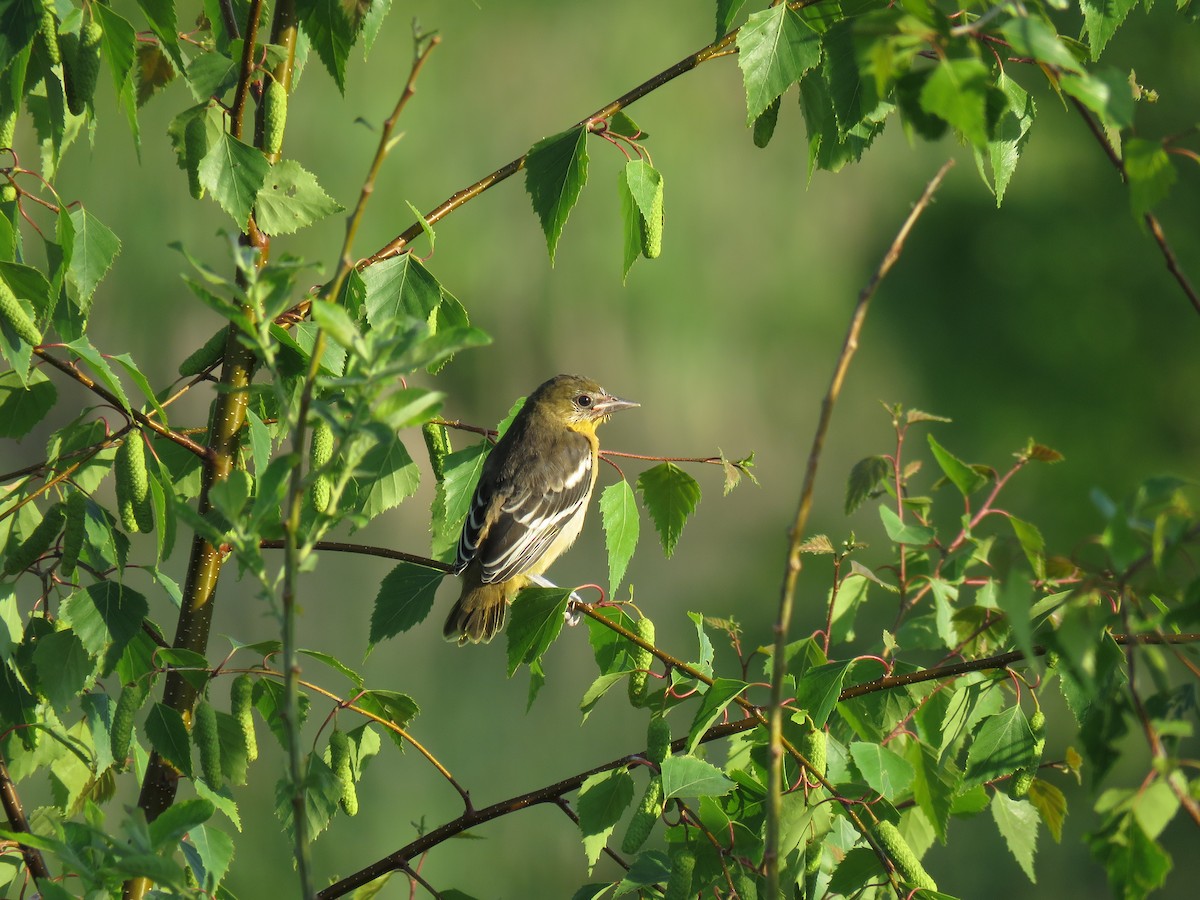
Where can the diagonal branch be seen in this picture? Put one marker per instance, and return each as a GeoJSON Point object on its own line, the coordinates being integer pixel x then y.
{"type": "Point", "coordinates": [792, 571]}
{"type": "Point", "coordinates": [17, 822]}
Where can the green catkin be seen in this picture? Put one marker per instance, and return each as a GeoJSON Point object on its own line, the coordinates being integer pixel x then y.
{"type": "Point", "coordinates": [339, 761]}
{"type": "Point", "coordinates": [37, 542]}
{"type": "Point", "coordinates": [658, 740]}
{"type": "Point", "coordinates": [644, 817]}
{"type": "Point", "coordinates": [73, 529]}
{"type": "Point", "coordinates": [902, 856]}
{"type": "Point", "coordinates": [14, 314]}
{"type": "Point", "coordinates": [195, 148]}
{"type": "Point", "coordinates": [679, 885]}
{"type": "Point", "coordinates": [1023, 778]}
{"type": "Point", "coordinates": [208, 742]}
{"type": "Point", "coordinates": [85, 67]}
{"type": "Point", "coordinates": [48, 33]}
{"type": "Point", "coordinates": [133, 484]}
{"type": "Point", "coordinates": [814, 746]}
{"type": "Point", "coordinates": [203, 357]}
{"type": "Point", "coordinates": [241, 693]}
{"type": "Point", "coordinates": [437, 442]}
{"type": "Point", "coordinates": [8, 124]}
{"type": "Point", "coordinates": [130, 701]}
{"type": "Point", "coordinates": [641, 661]}
{"type": "Point", "coordinates": [319, 454]}
{"type": "Point", "coordinates": [275, 101]}
{"type": "Point", "coordinates": [1022, 782]}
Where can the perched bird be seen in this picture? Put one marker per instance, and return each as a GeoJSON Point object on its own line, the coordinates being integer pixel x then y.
{"type": "Point", "coordinates": [530, 502]}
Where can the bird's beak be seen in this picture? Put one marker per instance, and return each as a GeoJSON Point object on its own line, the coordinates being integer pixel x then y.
{"type": "Point", "coordinates": [608, 405]}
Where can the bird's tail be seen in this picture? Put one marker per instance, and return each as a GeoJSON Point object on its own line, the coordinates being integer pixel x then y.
{"type": "Point", "coordinates": [480, 612]}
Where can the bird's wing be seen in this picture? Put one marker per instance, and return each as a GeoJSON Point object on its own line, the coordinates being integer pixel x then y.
{"type": "Point", "coordinates": [510, 525]}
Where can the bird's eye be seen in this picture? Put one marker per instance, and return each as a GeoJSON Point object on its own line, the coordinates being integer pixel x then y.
{"type": "Point", "coordinates": [584, 400]}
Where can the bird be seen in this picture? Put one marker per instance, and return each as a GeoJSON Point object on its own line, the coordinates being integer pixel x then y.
{"type": "Point", "coordinates": [530, 501]}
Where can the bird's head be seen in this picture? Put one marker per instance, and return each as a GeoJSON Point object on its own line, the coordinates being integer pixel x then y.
{"type": "Point", "coordinates": [577, 401]}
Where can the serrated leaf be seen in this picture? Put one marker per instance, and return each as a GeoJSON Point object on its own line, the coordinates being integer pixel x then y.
{"type": "Point", "coordinates": [391, 706]}
{"type": "Point", "coordinates": [727, 11]}
{"type": "Point", "coordinates": [1017, 821]}
{"type": "Point", "coordinates": [957, 92]}
{"type": "Point", "coordinates": [555, 172]}
{"type": "Point", "coordinates": [775, 48]}
{"type": "Point", "coordinates": [887, 773]}
{"type": "Point", "coordinates": [83, 349]}
{"type": "Point", "coordinates": [177, 820]}
{"type": "Point", "coordinates": [1032, 543]}
{"type": "Point", "coordinates": [817, 544]}
{"type": "Point", "coordinates": [390, 477]}
{"type": "Point", "coordinates": [962, 476]}
{"type": "Point", "coordinates": [321, 791]}
{"type": "Point", "coordinates": [329, 28]}
{"type": "Point", "coordinates": [452, 499]}
{"type": "Point", "coordinates": [603, 799]}
{"type": "Point", "coordinates": [934, 785]}
{"type": "Point", "coordinates": [105, 617]}
{"type": "Point", "coordinates": [865, 478]}
{"type": "Point", "coordinates": [334, 663]}
{"type": "Point", "coordinates": [1030, 36]}
{"type": "Point", "coordinates": [1051, 804]}
{"type": "Point", "coordinates": [1150, 172]}
{"type": "Point", "coordinates": [686, 776]}
{"type": "Point", "coordinates": [169, 736]}
{"type": "Point", "coordinates": [208, 851]}
{"type": "Point", "coordinates": [818, 689]}
{"type": "Point", "coordinates": [22, 406]}
{"type": "Point", "coordinates": [1009, 134]}
{"type": "Point", "coordinates": [399, 287]}
{"type": "Point", "coordinates": [902, 532]}
{"type": "Point", "coordinates": [64, 668]}
{"type": "Point", "coordinates": [716, 699]}
{"type": "Point", "coordinates": [404, 599]}
{"type": "Point", "coordinates": [619, 515]}
{"type": "Point", "coordinates": [632, 227]}
{"type": "Point", "coordinates": [536, 619]}
{"type": "Point", "coordinates": [234, 173]}
{"type": "Point", "coordinates": [94, 250]}
{"type": "Point", "coordinates": [1102, 18]}
{"type": "Point", "coordinates": [620, 123]}
{"type": "Point", "coordinates": [1042, 453]}
{"type": "Point", "coordinates": [1003, 745]}
{"type": "Point", "coordinates": [1106, 92]}
{"type": "Point", "coordinates": [670, 496]}
{"type": "Point", "coordinates": [291, 199]}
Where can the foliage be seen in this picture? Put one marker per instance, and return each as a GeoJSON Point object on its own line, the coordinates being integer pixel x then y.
{"type": "Point", "coordinates": [887, 738]}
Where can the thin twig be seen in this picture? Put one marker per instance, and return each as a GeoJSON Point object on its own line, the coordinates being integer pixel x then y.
{"type": "Point", "coordinates": [238, 111]}
{"type": "Point", "coordinates": [367, 550]}
{"type": "Point", "coordinates": [689, 62]}
{"type": "Point", "coordinates": [792, 570]}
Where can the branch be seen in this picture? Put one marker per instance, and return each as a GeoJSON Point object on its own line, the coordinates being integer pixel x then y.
{"type": "Point", "coordinates": [689, 62]}
{"type": "Point", "coordinates": [237, 112]}
{"type": "Point", "coordinates": [1156, 229]}
{"type": "Point", "coordinates": [17, 822]}
{"type": "Point", "coordinates": [368, 550]}
{"type": "Point", "coordinates": [792, 570]}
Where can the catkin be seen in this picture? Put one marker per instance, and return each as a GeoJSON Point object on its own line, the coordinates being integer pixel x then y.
{"type": "Point", "coordinates": [81, 66]}
{"type": "Point", "coordinates": [14, 314]}
{"type": "Point", "coordinates": [130, 701]}
{"type": "Point", "coordinates": [37, 542]}
{"type": "Point", "coordinates": [658, 740]}
{"type": "Point", "coordinates": [339, 761]}
{"type": "Point", "coordinates": [437, 442]}
{"type": "Point", "coordinates": [641, 661]}
{"type": "Point", "coordinates": [902, 856]}
{"type": "Point", "coordinates": [275, 101]}
{"type": "Point", "coordinates": [208, 741]}
{"type": "Point", "coordinates": [203, 357]}
{"type": "Point", "coordinates": [644, 817]}
{"type": "Point", "coordinates": [133, 484]}
{"type": "Point", "coordinates": [241, 693]}
{"type": "Point", "coordinates": [73, 530]}
{"type": "Point", "coordinates": [679, 885]}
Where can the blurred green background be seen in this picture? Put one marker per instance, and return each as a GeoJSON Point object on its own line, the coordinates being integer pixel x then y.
{"type": "Point", "coordinates": [1053, 317]}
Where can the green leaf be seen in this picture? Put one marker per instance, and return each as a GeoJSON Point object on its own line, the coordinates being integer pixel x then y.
{"type": "Point", "coordinates": [1150, 172]}
{"type": "Point", "coordinates": [670, 495]}
{"type": "Point", "coordinates": [18, 25]}
{"type": "Point", "coordinates": [603, 798]}
{"type": "Point", "coordinates": [887, 773]}
{"type": "Point", "coordinates": [83, 349]}
{"type": "Point", "coordinates": [452, 499]}
{"type": "Point", "coordinates": [716, 699]}
{"type": "Point", "coordinates": [1135, 864]}
{"type": "Point", "coordinates": [865, 478]}
{"type": "Point", "coordinates": [1032, 543]}
{"type": "Point", "coordinates": [1003, 745]}
{"type": "Point", "coordinates": [398, 287]}
{"type": "Point", "coordinates": [391, 706]}
{"type": "Point", "coordinates": [619, 515]}
{"type": "Point", "coordinates": [336, 664]}
{"type": "Point", "coordinates": [966, 479]}
{"type": "Point", "coordinates": [537, 618]}
{"type": "Point", "coordinates": [211, 75]}
{"type": "Point", "coordinates": [934, 785]}
{"type": "Point", "coordinates": [1051, 804]}
{"type": "Point", "coordinates": [234, 173]}
{"type": "Point", "coordinates": [64, 668]}
{"type": "Point", "coordinates": [1031, 36]}
{"type": "Point", "coordinates": [1106, 92]}
{"type": "Point", "coordinates": [321, 791]}
{"type": "Point", "coordinates": [177, 820]}
{"type": "Point", "coordinates": [291, 199]}
{"type": "Point", "coordinates": [105, 617]}
{"type": "Point", "coordinates": [94, 250]}
{"type": "Point", "coordinates": [646, 186]}
{"type": "Point", "coordinates": [329, 28]}
{"type": "Point", "coordinates": [22, 406]}
{"type": "Point", "coordinates": [858, 867]}
{"type": "Point", "coordinates": [120, 50]}
{"type": "Point", "coordinates": [208, 851]}
{"type": "Point", "coordinates": [1015, 598]}
{"type": "Point", "coordinates": [686, 776]}
{"type": "Point", "coordinates": [818, 689]}
{"type": "Point", "coordinates": [775, 48]}
{"type": "Point", "coordinates": [1101, 19]}
{"type": "Point", "coordinates": [632, 227]}
{"type": "Point", "coordinates": [405, 598]}
{"type": "Point", "coordinates": [555, 172]}
{"type": "Point", "coordinates": [1009, 134]}
{"type": "Point", "coordinates": [727, 11]}
{"type": "Point", "coordinates": [169, 736]}
{"type": "Point", "coordinates": [957, 92]}
{"type": "Point", "coordinates": [901, 532]}
{"type": "Point", "coordinates": [1018, 824]}
{"type": "Point", "coordinates": [390, 477]}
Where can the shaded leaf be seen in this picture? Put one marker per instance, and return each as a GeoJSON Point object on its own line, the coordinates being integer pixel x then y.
{"type": "Point", "coordinates": [619, 514]}
{"type": "Point", "coordinates": [670, 495]}
{"type": "Point", "coordinates": [775, 48]}
{"type": "Point", "coordinates": [536, 620]}
{"type": "Point", "coordinates": [404, 599]}
{"type": "Point", "coordinates": [555, 172]}
{"type": "Point", "coordinates": [686, 776]}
